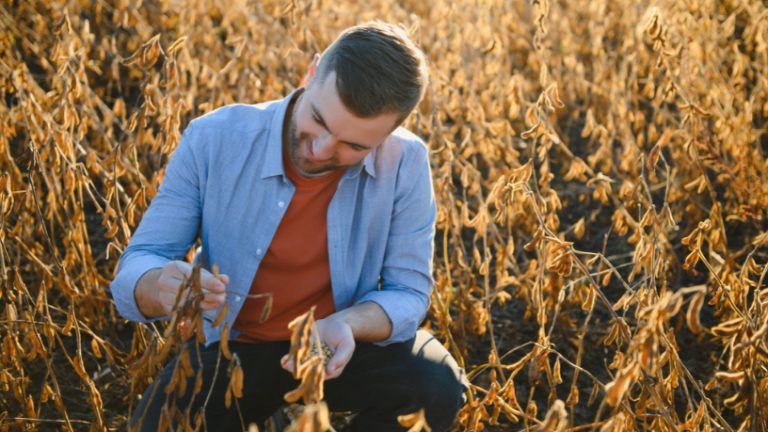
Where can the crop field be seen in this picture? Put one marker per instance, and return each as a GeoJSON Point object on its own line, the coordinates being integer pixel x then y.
{"type": "Point", "coordinates": [600, 168]}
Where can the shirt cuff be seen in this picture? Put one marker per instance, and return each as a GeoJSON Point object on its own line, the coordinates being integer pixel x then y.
{"type": "Point", "coordinates": [405, 312]}
{"type": "Point", "coordinates": [123, 286]}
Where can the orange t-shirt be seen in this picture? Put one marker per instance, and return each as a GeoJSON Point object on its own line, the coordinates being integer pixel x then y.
{"type": "Point", "coordinates": [295, 268]}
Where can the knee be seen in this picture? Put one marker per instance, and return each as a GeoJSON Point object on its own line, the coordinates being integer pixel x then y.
{"type": "Point", "coordinates": [442, 392]}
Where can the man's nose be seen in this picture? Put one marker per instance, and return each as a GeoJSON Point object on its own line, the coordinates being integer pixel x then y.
{"type": "Point", "coordinates": [323, 146]}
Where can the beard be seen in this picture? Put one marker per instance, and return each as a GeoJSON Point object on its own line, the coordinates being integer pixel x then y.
{"type": "Point", "coordinates": [304, 166]}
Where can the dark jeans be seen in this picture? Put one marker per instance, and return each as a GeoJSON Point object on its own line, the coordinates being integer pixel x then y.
{"type": "Point", "coordinates": [378, 384]}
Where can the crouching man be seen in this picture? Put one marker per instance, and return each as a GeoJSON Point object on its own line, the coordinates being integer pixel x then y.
{"type": "Point", "coordinates": [319, 199]}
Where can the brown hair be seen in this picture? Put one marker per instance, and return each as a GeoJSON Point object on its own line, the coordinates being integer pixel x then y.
{"type": "Point", "coordinates": [379, 69]}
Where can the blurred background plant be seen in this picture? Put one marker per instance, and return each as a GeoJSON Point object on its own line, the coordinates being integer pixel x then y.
{"type": "Point", "coordinates": [602, 244]}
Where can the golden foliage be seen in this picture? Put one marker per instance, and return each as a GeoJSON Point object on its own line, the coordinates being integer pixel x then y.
{"type": "Point", "coordinates": [599, 169]}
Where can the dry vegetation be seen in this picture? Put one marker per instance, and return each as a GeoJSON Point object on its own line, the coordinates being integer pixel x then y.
{"type": "Point", "coordinates": [600, 168]}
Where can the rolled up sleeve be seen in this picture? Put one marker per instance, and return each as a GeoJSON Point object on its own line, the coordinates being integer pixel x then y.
{"type": "Point", "coordinates": [406, 276]}
{"type": "Point", "coordinates": [168, 228]}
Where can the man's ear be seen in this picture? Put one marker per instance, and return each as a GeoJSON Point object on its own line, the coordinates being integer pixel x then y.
{"type": "Point", "coordinates": [311, 70]}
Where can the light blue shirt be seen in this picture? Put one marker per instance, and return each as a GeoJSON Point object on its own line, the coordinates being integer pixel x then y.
{"type": "Point", "coordinates": [226, 184]}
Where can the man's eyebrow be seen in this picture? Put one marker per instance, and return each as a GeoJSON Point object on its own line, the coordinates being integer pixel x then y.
{"type": "Point", "coordinates": [321, 120]}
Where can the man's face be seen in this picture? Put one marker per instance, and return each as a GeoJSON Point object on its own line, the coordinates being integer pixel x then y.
{"type": "Point", "coordinates": [324, 135]}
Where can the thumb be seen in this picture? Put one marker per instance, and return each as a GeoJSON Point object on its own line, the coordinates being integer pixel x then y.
{"type": "Point", "coordinates": [287, 363]}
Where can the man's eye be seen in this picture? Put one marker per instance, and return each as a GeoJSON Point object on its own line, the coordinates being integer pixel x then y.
{"type": "Point", "coordinates": [357, 147]}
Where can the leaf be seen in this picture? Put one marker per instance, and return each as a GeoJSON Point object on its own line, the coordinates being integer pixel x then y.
{"type": "Point", "coordinates": [177, 44]}
{"type": "Point", "coordinates": [224, 343]}
{"type": "Point", "coordinates": [415, 422]}
{"type": "Point", "coordinates": [693, 312]}
{"type": "Point", "coordinates": [236, 381]}
{"type": "Point", "coordinates": [95, 348]}
{"type": "Point", "coordinates": [616, 389]}
{"type": "Point", "coordinates": [556, 372]}
{"type": "Point", "coordinates": [266, 310]}
{"type": "Point", "coordinates": [221, 315]}
{"type": "Point", "coordinates": [589, 124]}
{"type": "Point", "coordinates": [555, 419]}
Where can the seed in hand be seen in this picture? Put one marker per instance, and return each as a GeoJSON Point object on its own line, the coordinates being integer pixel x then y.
{"type": "Point", "coordinates": [323, 350]}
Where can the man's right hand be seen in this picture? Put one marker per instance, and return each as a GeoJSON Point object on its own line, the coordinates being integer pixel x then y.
{"type": "Point", "coordinates": [158, 288]}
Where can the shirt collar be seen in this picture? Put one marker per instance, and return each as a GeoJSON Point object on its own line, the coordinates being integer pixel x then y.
{"type": "Point", "coordinates": [273, 162]}
{"type": "Point", "coordinates": [369, 163]}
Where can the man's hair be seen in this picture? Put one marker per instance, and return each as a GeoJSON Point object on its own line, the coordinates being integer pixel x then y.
{"type": "Point", "coordinates": [379, 70]}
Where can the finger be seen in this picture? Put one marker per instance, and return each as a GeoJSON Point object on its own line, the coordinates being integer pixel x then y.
{"type": "Point", "coordinates": [211, 283]}
{"type": "Point", "coordinates": [287, 363]}
{"type": "Point", "coordinates": [213, 300]}
{"type": "Point", "coordinates": [340, 358]}
{"type": "Point", "coordinates": [170, 295]}
{"type": "Point", "coordinates": [180, 269]}
{"type": "Point", "coordinates": [333, 373]}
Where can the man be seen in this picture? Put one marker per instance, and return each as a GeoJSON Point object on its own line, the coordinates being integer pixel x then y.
{"type": "Point", "coordinates": [320, 200]}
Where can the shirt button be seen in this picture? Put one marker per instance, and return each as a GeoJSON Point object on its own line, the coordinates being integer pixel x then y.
{"type": "Point", "coordinates": [281, 204]}
{"type": "Point", "coordinates": [237, 298]}
{"type": "Point", "coordinates": [258, 251]}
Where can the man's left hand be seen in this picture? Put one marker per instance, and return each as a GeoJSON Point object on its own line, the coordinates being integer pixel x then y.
{"type": "Point", "coordinates": [337, 334]}
{"type": "Point", "coordinates": [365, 322]}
